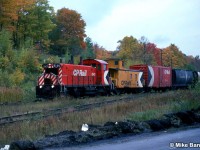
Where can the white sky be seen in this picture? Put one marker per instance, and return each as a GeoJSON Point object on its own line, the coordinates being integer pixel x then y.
{"type": "Point", "coordinates": [161, 21]}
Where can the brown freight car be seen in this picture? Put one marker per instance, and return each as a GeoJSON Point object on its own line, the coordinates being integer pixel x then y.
{"type": "Point", "coordinates": [156, 77]}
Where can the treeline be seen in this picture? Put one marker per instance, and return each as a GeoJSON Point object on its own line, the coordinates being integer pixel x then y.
{"type": "Point", "coordinates": [142, 51]}
{"type": "Point", "coordinates": [32, 33]}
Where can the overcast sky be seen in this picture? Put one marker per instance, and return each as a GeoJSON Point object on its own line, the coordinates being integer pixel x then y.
{"type": "Point", "coordinates": [161, 21]}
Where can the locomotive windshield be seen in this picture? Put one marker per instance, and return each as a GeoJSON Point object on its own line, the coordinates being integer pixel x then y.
{"type": "Point", "coordinates": [52, 70]}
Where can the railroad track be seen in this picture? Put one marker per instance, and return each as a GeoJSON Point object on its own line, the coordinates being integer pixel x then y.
{"type": "Point", "coordinates": [58, 111]}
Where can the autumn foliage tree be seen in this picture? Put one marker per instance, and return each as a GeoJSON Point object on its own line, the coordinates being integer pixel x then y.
{"type": "Point", "coordinates": [130, 50]}
{"type": "Point", "coordinates": [69, 35]}
{"type": "Point", "coordinates": [101, 52]}
{"type": "Point", "coordinates": [35, 23]}
{"type": "Point", "coordinates": [193, 63]}
{"type": "Point", "coordinates": [154, 53]}
{"type": "Point", "coordinates": [172, 56]}
{"type": "Point", "coordinates": [27, 20]}
{"type": "Point", "coordinates": [9, 12]}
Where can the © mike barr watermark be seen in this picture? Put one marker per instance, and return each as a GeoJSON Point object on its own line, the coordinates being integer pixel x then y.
{"type": "Point", "coordinates": [184, 145]}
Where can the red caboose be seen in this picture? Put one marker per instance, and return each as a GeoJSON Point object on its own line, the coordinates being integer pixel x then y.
{"type": "Point", "coordinates": [89, 78]}
{"type": "Point", "coordinates": [155, 77]}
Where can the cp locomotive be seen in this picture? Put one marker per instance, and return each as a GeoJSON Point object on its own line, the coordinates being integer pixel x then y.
{"type": "Point", "coordinates": [94, 76]}
{"type": "Point", "coordinates": [89, 78]}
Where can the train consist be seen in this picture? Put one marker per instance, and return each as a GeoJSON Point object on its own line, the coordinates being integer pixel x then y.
{"type": "Point", "coordinates": [94, 76]}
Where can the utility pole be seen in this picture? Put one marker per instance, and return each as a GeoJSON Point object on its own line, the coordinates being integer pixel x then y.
{"type": "Point", "coordinates": [161, 61]}
{"type": "Point", "coordinates": [144, 53]}
{"type": "Point", "coordinates": [171, 62]}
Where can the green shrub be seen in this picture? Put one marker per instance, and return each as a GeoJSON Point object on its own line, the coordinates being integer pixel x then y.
{"type": "Point", "coordinates": [10, 94]}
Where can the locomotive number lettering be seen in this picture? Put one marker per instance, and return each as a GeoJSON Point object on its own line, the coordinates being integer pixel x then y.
{"type": "Point", "coordinates": [93, 74]}
{"type": "Point", "coordinates": [166, 71]}
{"type": "Point", "coordinates": [126, 83]}
{"type": "Point", "coordinates": [77, 72]}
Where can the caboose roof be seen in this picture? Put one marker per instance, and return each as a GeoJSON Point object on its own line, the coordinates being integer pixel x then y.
{"type": "Point", "coordinates": [101, 61]}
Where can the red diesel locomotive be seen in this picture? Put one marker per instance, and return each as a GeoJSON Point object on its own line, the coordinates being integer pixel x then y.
{"type": "Point", "coordinates": [89, 78]}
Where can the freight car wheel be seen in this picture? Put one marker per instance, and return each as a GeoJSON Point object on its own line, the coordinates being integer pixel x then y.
{"type": "Point", "coordinates": [116, 92]}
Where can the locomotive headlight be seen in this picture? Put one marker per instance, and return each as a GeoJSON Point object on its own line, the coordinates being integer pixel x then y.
{"type": "Point", "coordinates": [52, 86]}
{"type": "Point", "coordinates": [40, 86]}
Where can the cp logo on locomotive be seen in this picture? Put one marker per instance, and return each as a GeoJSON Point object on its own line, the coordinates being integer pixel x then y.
{"type": "Point", "coordinates": [77, 72]}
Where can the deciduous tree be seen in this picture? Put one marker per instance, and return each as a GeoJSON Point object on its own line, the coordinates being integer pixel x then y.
{"type": "Point", "coordinates": [172, 56]}
{"type": "Point", "coordinates": [130, 50]}
{"type": "Point", "coordinates": [69, 35]}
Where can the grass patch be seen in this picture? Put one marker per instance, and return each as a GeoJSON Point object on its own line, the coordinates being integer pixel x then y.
{"type": "Point", "coordinates": [144, 108]}
{"type": "Point", "coordinates": [10, 95]}
{"type": "Point", "coordinates": [8, 110]}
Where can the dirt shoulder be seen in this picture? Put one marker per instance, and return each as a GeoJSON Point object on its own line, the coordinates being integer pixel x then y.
{"type": "Point", "coordinates": [112, 129]}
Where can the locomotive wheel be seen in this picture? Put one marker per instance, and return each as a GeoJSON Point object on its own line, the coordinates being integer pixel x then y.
{"type": "Point", "coordinates": [76, 93]}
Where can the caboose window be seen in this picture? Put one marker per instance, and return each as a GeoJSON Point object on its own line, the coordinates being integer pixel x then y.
{"type": "Point", "coordinates": [111, 73]}
{"type": "Point", "coordinates": [123, 63]}
{"type": "Point", "coordinates": [135, 76]}
{"type": "Point", "coordinates": [116, 62]}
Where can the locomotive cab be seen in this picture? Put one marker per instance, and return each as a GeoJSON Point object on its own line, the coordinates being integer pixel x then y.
{"type": "Point", "coordinates": [101, 70]}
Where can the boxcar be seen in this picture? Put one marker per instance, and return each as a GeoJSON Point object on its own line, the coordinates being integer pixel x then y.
{"type": "Point", "coordinates": [155, 77]}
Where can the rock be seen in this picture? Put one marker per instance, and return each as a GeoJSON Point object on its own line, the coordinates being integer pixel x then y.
{"type": "Point", "coordinates": [109, 124]}
{"type": "Point", "coordinates": [84, 138]}
{"type": "Point", "coordinates": [185, 117]}
{"type": "Point", "coordinates": [174, 120]}
{"type": "Point", "coordinates": [166, 123]}
{"type": "Point", "coordinates": [22, 145]}
{"type": "Point", "coordinates": [61, 133]}
{"type": "Point", "coordinates": [125, 127]}
{"type": "Point", "coordinates": [97, 134]}
{"type": "Point", "coordinates": [143, 127]}
{"type": "Point", "coordinates": [155, 125]}
{"type": "Point", "coordinates": [197, 117]}
{"type": "Point", "coordinates": [92, 126]}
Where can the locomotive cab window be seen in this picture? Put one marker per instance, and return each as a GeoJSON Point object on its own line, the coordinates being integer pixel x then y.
{"type": "Point", "coordinates": [104, 67]}
{"type": "Point", "coordinates": [52, 70]}
{"type": "Point", "coordinates": [94, 65]}
{"type": "Point", "coordinates": [116, 62]}
{"type": "Point", "coordinates": [99, 67]}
